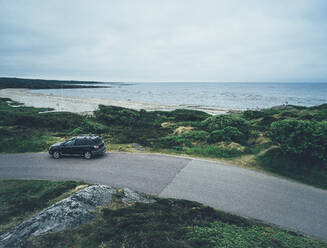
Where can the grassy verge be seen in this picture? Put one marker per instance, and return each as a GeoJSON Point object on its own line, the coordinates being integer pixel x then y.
{"type": "Point", "coordinates": [165, 223]}
{"type": "Point", "coordinates": [242, 139]}
{"type": "Point", "coordinates": [19, 199]}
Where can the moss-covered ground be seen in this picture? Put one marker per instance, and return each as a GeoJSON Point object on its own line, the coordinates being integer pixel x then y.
{"type": "Point", "coordinates": [20, 199]}
{"type": "Point", "coordinates": [164, 223]}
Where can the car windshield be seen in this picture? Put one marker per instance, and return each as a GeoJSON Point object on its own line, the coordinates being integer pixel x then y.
{"type": "Point", "coordinates": [70, 143]}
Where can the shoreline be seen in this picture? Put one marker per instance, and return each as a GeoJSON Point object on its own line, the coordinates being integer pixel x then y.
{"type": "Point", "coordinates": [84, 105]}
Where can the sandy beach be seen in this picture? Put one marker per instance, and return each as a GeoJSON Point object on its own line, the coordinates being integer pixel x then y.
{"type": "Point", "coordinates": [84, 105]}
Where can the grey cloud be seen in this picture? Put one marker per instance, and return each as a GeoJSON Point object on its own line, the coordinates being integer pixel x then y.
{"type": "Point", "coordinates": [171, 40]}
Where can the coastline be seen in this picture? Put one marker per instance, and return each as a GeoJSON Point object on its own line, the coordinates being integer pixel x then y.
{"type": "Point", "coordinates": [84, 105]}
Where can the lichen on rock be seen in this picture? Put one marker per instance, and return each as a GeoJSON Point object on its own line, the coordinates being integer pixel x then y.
{"type": "Point", "coordinates": [70, 212]}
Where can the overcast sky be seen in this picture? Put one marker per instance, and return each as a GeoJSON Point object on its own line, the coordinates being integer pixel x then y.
{"type": "Point", "coordinates": [165, 40]}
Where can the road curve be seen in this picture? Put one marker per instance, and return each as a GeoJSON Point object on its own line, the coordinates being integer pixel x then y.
{"type": "Point", "coordinates": [244, 192]}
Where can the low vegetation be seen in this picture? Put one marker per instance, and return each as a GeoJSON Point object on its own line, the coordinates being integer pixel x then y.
{"type": "Point", "coordinates": [6, 82]}
{"type": "Point", "coordinates": [19, 199]}
{"type": "Point", "coordinates": [164, 223]}
{"type": "Point", "coordinates": [289, 141]}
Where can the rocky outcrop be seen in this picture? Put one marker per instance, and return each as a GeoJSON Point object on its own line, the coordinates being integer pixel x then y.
{"type": "Point", "coordinates": [68, 213]}
{"type": "Point", "coordinates": [130, 196]}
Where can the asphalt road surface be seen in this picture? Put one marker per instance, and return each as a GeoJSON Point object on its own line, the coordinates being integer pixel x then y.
{"type": "Point", "coordinates": [291, 205]}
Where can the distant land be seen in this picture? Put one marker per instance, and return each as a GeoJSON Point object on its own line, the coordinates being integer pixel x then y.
{"type": "Point", "coordinates": [8, 82]}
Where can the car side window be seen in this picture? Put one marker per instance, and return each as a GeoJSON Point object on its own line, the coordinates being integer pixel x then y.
{"type": "Point", "coordinates": [70, 143]}
{"type": "Point", "coordinates": [81, 142]}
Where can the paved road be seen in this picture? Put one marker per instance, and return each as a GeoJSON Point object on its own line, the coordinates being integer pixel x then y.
{"type": "Point", "coordinates": [244, 192]}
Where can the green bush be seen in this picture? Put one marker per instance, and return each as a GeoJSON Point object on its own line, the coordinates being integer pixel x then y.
{"type": "Point", "coordinates": [267, 120]}
{"type": "Point", "coordinates": [226, 134]}
{"type": "Point", "coordinates": [219, 122]}
{"type": "Point", "coordinates": [198, 135]}
{"type": "Point", "coordinates": [19, 198]}
{"type": "Point", "coordinates": [252, 114]}
{"type": "Point", "coordinates": [173, 141]}
{"type": "Point", "coordinates": [305, 139]}
{"type": "Point", "coordinates": [51, 121]}
{"type": "Point", "coordinates": [89, 126]}
{"type": "Point", "coordinates": [321, 115]}
{"type": "Point", "coordinates": [188, 115]}
{"type": "Point", "coordinates": [286, 114]}
{"type": "Point", "coordinates": [20, 139]}
{"type": "Point", "coordinates": [213, 151]}
{"type": "Point", "coordinates": [219, 234]}
{"type": "Point", "coordinates": [112, 115]}
{"type": "Point", "coordinates": [254, 134]}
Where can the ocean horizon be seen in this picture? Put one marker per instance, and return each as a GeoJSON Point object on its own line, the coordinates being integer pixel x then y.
{"type": "Point", "coordinates": [237, 96]}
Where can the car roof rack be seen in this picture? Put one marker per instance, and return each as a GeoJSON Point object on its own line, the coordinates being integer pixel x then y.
{"type": "Point", "coordinates": [87, 135]}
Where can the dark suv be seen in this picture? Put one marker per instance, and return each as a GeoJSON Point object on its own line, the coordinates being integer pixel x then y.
{"type": "Point", "coordinates": [83, 145]}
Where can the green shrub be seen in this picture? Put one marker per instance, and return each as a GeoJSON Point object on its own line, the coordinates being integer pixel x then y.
{"type": "Point", "coordinates": [188, 115]}
{"type": "Point", "coordinates": [51, 121]}
{"type": "Point", "coordinates": [173, 141]}
{"type": "Point", "coordinates": [196, 124]}
{"type": "Point", "coordinates": [213, 151]}
{"type": "Point", "coordinates": [112, 115]}
{"type": "Point", "coordinates": [219, 234]}
{"type": "Point", "coordinates": [305, 139]}
{"type": "Point", "coordinates": [267, 120]}
{"type": "Point", "coordinates": [226, 134]}
{"type": "Point", "coordinates": [321, 115]}
{"type": "Point", "coordinates": [252, 114]}
{"type": "Point", "coordinates": [89, 126]}
{"type": "Point", "coordinates": [288, 114]}
{"type": "Point", "coordinates": [198, 135]}
{"type": "Point", "coordinates": [254, 134]}
{"type": "Point", "coordinates": [219, 122]}
{"type": "Point", "coordinates": [20, 139]}
{"type": "Point", "coordinates": [77, 131]}
{"type": "Point", "coordinates": [18, 197]}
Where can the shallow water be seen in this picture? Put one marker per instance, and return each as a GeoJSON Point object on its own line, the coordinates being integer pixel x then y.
{"type": "Point", "coordinates": [220, 95]}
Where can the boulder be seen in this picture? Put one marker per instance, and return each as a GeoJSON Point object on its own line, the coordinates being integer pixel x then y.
{"type": "Point", "coordinates": [70, 212]}
{"type": "Point", "coordinates": [131, 196]}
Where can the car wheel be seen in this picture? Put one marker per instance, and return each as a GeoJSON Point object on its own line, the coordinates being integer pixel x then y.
{"type": "Point", "coordinates": [56, 155]}
{"type": "Point", "coordinates": [87, 155]}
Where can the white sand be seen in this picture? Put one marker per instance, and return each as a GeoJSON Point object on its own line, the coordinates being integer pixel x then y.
{"type": "Point", "coordinates": [84, 105]}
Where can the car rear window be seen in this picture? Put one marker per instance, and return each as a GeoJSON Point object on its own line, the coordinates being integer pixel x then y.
{"type": "Point", "coordinates": [97, 141]}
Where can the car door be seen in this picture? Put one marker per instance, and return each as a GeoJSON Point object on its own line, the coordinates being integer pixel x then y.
{"type": "Point", "coordinates": [79, 146]}
{"type": "Point", "coordinates": [68, 147]}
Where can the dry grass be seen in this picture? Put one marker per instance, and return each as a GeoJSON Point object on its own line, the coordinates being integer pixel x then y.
{"type": "Point", "coordinates": [167, 124]}
{"type": "Point", "coordinates": [231, 145]}
{"type": "Point", "coordinates": [182, 129]}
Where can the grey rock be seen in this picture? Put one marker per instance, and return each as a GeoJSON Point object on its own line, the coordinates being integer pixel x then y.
{"type": "Point", "coordinates": [131, 196]}
{"type": "Point", "coordinates": [67, 213]}
{"type": "Point", "coordinates": [70, 212]}
{"type": "Point", "coordinates": [138, 147]}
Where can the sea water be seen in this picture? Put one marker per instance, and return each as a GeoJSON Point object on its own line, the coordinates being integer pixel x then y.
{"type": "Point", "coordinates": [238, 96]}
